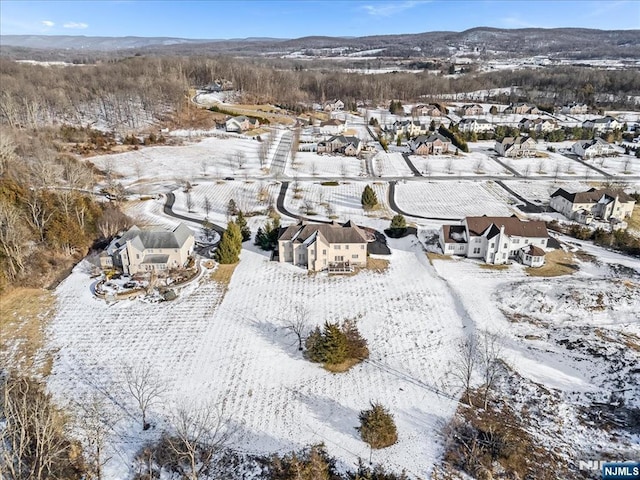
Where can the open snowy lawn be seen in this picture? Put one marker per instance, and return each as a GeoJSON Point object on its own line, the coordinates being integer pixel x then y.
{"type": "Point", "coordinates": [215, 157]}
{"type": "Point", "coordinates": [551, 164]}
{"type": "Point", "coordinates": [252, 196]}
{"type": "Point", "coordinates": [390, 165]}
{"type": "Point", "coordinates": [237, 354]}
{"type": "Point", "coordinates": [620, 166]}
{"type": "Point", "coordinates": [570, 334]}
{"type": "Point", "coordinates": [309, 164]}
{"type": "Point", "coordinates": [341, 202]}
{"type": "Point", "coordinates": [474, 163]}
{"type": "Point", "coordinates": [449, 199]}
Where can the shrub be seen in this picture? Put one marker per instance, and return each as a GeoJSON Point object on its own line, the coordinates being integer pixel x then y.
{"type": "Point", "coordinates": [377, 427]}
{"type": "Point", "coordinates": [369, 198]}
{"type": "Point", "coordinates": [398, 226]}
{"type": "Point", "coordinates": [336, 344]}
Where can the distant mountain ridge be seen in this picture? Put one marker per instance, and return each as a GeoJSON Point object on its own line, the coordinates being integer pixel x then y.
{"type": "Point", "coordinates": [570, 42]}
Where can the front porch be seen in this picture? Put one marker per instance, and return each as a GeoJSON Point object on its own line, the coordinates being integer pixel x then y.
{"type": "Point", "coordinates": [340, 267]}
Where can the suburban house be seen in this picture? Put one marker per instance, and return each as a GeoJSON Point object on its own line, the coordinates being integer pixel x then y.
{"type": "Point", "coordinates": [516, 147]}
{"type": "Point", "coordinates": [593, 148]}
{"type": "Point", "coordinates": [334, 247]}
{"type": "Point", "coordinates": [522, 109]}
{"type": "Point", "coordinates": [574, 109]}
{"type": "Point", "coordinates": [467, 110]}
{"type": "Point", "coordinates": [603, 124]}
{"type": "Point", "coordinates": [241, 124]}
{"type": "Point", "coordinates": [434, 144]}
{"type": "Point", "coordinates": [332, 127]}
{"type": "Point", "coordinates": [431, 110]}
{"type": "Point", "coordinates": [494, 239]}
{"type": "Point", "coordinates": [410, 128]}
{"type": "Point", "coordinates": [582, 207]}
{"type": "Point", "coordinates": [349, 146]}
{"type": "Point", "coordinates": [539, 125]}
{"type": "Point", "coordinates": [333, 106]}
{"type": "Point", "coordinates": [149, 250]}
{"type": "Point", "coordinates": [476, 125]}
{"type": "Point", "coordinates": [531, 256]}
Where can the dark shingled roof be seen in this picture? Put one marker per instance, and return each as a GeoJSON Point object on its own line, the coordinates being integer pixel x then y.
{"type": "Point", "coordinates": [513, 226]}
{"type": "Point", "coordinates": [333, 233]}
{"type": "Point", "coordinates": [592, 195]}
{"type": "Point", "coordinates": [453, 233]}
{"type": "Point", "coordinates": [534, 251]}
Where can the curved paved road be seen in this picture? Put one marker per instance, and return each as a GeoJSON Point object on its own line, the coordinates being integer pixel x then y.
{"type": "Point", "coordinates": [168, 210]}
{"type": "Point", "coordinates": [394, 206]}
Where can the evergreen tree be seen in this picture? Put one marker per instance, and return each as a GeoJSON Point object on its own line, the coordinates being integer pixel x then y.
{"type": "Point", "coordinates": [314, 346]}
{"type": "Point", "coordinates": [398, 226]}
{"type": "Point", "coordinates": [432, 126]}
{"type": "Point", "coordinates": [232, 208]}
{"type": "Point", "coordinates": [369, 199]}
{"type": "Point", "coordinates": [242, 224]}
{"type": "Point", "coordinates": [377, 427]}
{"type": "Point", "coordinates": [228, 250]}
{"type": "Point", "coordinates": [334, 344]}
{"type": "Point", "coordinates": [356, 344]}
{"type": "Point", "coordinates": [493, 110]}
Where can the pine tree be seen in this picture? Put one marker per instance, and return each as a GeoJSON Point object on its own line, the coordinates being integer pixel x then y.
{"type": "Point", "coordinates": [335, 344]}
{"type": "Point", "coordinates": [377, 427]}
{"type": "Point", "coordinates": [356, 344]}
{"type": "Point", "coordinates": [369, 199]}
{"type": "Point", "coordinates": [314, 346]}
{"type": "Point", "coordinates": [242, 224]}
{"type": "Point", "coordinates": [232, 208]}
{"type": "Point", "coordinates": [259, 239]}
{"type": "Point", "coordinates": [228, 250]}
{"type": "Point", "coordinates": [398, 226]}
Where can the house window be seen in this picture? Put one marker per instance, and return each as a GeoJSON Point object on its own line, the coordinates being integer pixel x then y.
{"type": "Point", "coordinates": [324, 251]}
{"type": "Point", "coordinates": [361, 247]}
{"type": "Point", "coordinates": [516, 240]}
{"type": "Point", "coordinates": [339, 258]}
{"type": "Point", "coordinates": [504, 255]}
{"type": "Point", "coordinates": [346, 247]}
{"type": "Point", "coordinates": [338, 247]}
{"type": "Point", "coordinates": [506, 245]}
{"type": "Point", "coordinates": [476, 251]}
{"type": "Point", "coordinates": [355, 256]}
{"type": "Point", "coordinates": [137, 256]}
{"type": "Point", "coordinates": [493, 244]}
{"type": "Point", "coordinates": [526, 240]}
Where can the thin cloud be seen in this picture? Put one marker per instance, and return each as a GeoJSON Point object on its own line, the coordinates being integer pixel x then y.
{"type": "Point", "coordinates": [77, 25]}
{"type": "Point", "coordinates": [388, 9]}
{"type": "Point", "coordinates": [47, 23]}
{"type": "Point", "coordinates": [514, 22]}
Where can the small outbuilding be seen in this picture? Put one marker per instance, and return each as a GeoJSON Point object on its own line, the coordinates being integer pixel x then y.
{"type": "Point", "coordinates": [531, 256]}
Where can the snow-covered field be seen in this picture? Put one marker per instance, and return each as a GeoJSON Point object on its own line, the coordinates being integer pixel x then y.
{"type": "Point", "coordinates": [449, 199]}
{"type": "Point", "coordinates": [236, 352]}
{"type": "Point", "coordinates": [541, 191]}
{"type": "Point", "coordinates": [621, 165]}
{"type": "Point", "coordinates": [390, 165]}
{"type": "Point", "coordinates": [473, 163]}
{"type": "Point", "coordinates": [551, 164]}
{"type": "Point", "coordinates": [341, 202]}
{"type": "Point", "coordinates": [309, 164]}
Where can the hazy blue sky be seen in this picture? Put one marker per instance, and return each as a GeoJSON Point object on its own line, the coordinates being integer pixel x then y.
{"type": "Point", "coordinates": [297, 18]}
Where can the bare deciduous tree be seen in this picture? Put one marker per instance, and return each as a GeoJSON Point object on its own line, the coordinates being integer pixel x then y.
{"type": "Point", "coordinates": [298, 323]}
{"type": "Point", "coordinates": [12, 236]}
{"type": "Point", "coordinates": [145, 386]}
{"type": "Point", "coordinates": [189, 201]}
{"type": "Point", "coordinates": [206, 205]}
{"type": "Point", "coordinates": [95, 423]}
{"type": "Point", "coordinates": [465, 363]}
{"type": "Point", "coordinates": [491, 362]}
{"type": "Point", "coordinates": [199, 432]}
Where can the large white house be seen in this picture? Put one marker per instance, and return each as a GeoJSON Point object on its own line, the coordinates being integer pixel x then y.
{"type": "Point", "coordinates": [332, 127]}
{"type": "Point", "coordinates": [241, 124]}
{"type": "Point", "coordinates": [149, 250]}
{"type": "Point", "coordinates": [516, 147]}
{"type": "Point", "coordinates": [316, 247]}
{"type": "Point", "coordinates": [539, 125]}
{"type": "Point", "coordinates": [347, 145]}
{"type": "Point", "coordinates": [477, 125]}
{"type": "Point", "coordinates": [584, 206]}
{"type": "Point", "coordinates": [494, 239]}
{"type": "Point", "coordinates": [603, 124]}
{"type": "Point", "coordinates": [593, 148]}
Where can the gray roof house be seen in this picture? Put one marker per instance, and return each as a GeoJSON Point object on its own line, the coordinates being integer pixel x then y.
{"type": "Point", "coordinates": [138, 250]}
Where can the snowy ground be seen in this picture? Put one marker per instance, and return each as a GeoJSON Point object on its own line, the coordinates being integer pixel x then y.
{"type": "Point", "coordinates": [473, 163]}
{"type": "Point", "coordinates": [621, 165]}
{"type": "Point", "coordinates": [309, 164]}
{"type": "Point", "coordinates": [235, 351]}
{"type": "Point", "coordinates": [449, 199]}
{"type": "Point", "coordinates": [341, 203]}
{"type": "Point", "coordinates": [390, 165]}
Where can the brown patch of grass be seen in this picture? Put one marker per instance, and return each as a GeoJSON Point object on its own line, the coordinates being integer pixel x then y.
{"type": "Point", "coordinates": [437, 256]}
{"type": "Point", "coordinates": [23, 312]}
{"type": "Point", "coordinates": [556, 263]}
{"type": "Point", "coordinates": [585, 257]}
{"type": "Point", "coordinates": [341, 367]}
{"type": "Point", "coordinates": [629, 340]}
{"type": "Point", "coordinates": [222, 274]}
{"type": "Point", "coordinates": [377, 265]}
{"type": "Point", "coordinates": [489, 266]}
{"type": "Point", "coordinates": [634, 220]}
